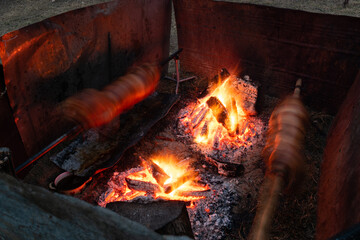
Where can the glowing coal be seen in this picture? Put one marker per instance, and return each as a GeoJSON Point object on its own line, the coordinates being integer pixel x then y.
{"type": "Point", "coordinates": [178, 182]}
{"type": "Point", "coordinates": [222, 124]}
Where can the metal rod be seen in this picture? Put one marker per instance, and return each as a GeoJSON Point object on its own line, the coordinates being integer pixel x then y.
{"type": "Point", "coordinates": [177, 75]}
{"type": "Point", "coordinates": [76, 130]}
{"type": "Point", "coordinates": [170, 78]}
{"type": "Point", "coordinates": [187, 79]}
{"type": "Point", "coordinates": [69, 135]}
{"type": "Point", "coordinates": [172, 56]}
{"type": "Point", "coordinates": [181, 80]}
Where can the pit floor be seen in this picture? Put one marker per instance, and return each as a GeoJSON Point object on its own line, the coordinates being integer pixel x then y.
{"type": "Point", "coordinates": [296, 215]}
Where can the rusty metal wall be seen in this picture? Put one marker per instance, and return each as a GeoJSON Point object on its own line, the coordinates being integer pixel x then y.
{"type": "Point", "coordinates": [274, 46]}
{"type": "Point", "coordinates": [46, 62]}
{"type": "Point", "coordinates": [339, 196]}
{"type": "Point", "coordinates": [9, 136]}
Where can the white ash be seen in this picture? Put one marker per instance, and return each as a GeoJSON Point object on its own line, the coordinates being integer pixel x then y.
{"type": "Point", "coordinates": [234, 150]}
{"type": "Point", "coordinates": [248, 89]}
{"type": "Point", "coordinates": [86, 148]}
{"type": "Point", "coordinates": [212, 217]}
{"type": "Point", "coordinates": [64, 158]}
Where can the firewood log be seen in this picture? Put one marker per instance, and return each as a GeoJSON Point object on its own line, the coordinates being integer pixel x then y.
{"type": "Point", "coordinates": [168, 188]}
{"type": "Point", "coordinates": [156, 171]}
{"type": "Point", "coordinates": [218, 109]}
{"type": "Point", "coordinates": [139, 185]}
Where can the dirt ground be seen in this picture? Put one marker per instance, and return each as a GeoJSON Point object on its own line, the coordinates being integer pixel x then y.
{"type": "Point", "coordinates": [15, 14]}
{"type": "Point", "coordinates": [290, 222]}
{"type": "Point", "coordinates": [335, 7]}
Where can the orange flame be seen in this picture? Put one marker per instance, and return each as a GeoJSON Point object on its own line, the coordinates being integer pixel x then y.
{"type": "Point", "coordinates": [208, 131]}
{"type": "Point", "coordinates": [174, 169]}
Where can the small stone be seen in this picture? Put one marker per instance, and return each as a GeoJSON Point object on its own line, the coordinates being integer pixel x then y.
{"type": "Point", "coordinates": [247, 78]}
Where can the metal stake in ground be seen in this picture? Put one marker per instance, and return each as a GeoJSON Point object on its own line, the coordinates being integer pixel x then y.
{"type": "Point", "coordinates": [178, 80]}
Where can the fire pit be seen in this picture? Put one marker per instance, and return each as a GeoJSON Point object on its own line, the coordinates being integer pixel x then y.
{"type": "Point", "coordinates": [199, 152]}
{"type": "Point", "coordinates": [218, 186]}
{"type": "Point", "coordinates": [161, 177]}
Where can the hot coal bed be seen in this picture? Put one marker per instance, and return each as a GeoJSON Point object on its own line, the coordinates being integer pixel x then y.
{"type": "Point", "coordinates": [225, 171]}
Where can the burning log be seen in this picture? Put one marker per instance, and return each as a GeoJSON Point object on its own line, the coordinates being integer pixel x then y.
{"type": "Point", "coordinates": [226, 168]}
{"type": "Point", "coordinates": [195, 193]}
{"type": "Point", "coordinates": [241, 128]}
{"type": "Point", "coordinates": [139, 185]}
{"type": "Point", "coordinates": [199, 117]}
{"type": "Point", "coordinates": [205, 129]}
{"type": "Point", "coordinates": [219, 111]}
{"type": "Point", "coordinates": [156, 171]}
{"type": "Point", "coordinates": [234, 131]}
{"type": "Point", "coordinates": [168, 188]}
{"type": "Point", "coordinates": [164, 217]}
{"type": "Point", "coordinates": [216, 144]}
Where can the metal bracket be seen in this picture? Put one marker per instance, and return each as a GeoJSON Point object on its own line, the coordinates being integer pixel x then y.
{"type": "Point", "coordinates": [178, 80]}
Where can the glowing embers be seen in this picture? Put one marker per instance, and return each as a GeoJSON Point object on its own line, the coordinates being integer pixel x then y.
{"type": "Point", "coordinates": [160, 177]}
{"type": "Point", "coordinates": [221, 120]}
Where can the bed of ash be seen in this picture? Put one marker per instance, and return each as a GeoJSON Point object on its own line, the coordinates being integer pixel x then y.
{"type": "Point", "coordinates": [229, 205]}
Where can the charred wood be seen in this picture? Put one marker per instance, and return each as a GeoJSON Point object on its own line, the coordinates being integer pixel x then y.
{"type": "Point", "coordinates": [205, 129]}
{"type": "Point", "coordinates": [242, 127]}
{"type": "Point", "coordinates": [216, 144]}
{"type": "Point", "coordinates": [234, 131]}
{"type": "Point", "coordinates": [180, 181]}
{"type": "Point", "coordinates": [195, 193]}
{"type": "Point", "coordinates": [218, 109]}
{"type": "Point", "coordinates": [201, 118]}
{"type": "Point", "coordinates": [221, 76]}
{"type": "Point", "coordinates": [157, 172]}
{"type": "Point", "coordinates": [139, 185]}
{"type": "Point", "coordinates": [226, 168]}
{"type": "Point", "coordinates": [198, 116]}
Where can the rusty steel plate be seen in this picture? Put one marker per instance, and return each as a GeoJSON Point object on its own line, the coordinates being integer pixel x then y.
{"type": "Point", "coordinates": [274, 46]}
{"type": "Point", "coordinates": [49, 61]}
